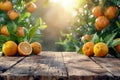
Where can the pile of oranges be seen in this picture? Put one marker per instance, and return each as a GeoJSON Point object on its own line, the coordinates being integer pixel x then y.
{"type": "Point", "coordinates": [99, 49]}
{"type": "Point", "coordinates": [103, 16]}
{"type": "Point", "coordinates": [11, 48]}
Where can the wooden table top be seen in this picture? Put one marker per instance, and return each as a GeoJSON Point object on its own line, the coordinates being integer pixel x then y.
{"type": "Point", "coordinates": [59, 66]}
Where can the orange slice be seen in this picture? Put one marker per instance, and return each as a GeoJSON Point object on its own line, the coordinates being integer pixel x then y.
{"type": "Point", "coordinates": [24, 49]}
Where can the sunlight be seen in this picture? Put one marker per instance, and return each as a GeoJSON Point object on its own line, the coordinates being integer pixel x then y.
{"type": "Point", "coordinates": [68, 5]}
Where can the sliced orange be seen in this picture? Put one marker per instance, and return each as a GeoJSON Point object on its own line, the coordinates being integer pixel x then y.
{"type": "Point", "coordinates": [24, 49]}
{"type": "Point", "coordinates": [9, 48]}
{"type": "Point", "coordinates": [37, 48]}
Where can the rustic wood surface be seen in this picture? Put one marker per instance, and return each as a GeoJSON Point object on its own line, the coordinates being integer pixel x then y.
{"type": "Point", "coordinates": [59, 66]}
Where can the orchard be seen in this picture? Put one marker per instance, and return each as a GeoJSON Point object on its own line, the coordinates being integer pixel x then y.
{"type": "Point", "coordinates": [18, 28]}
{"type": "Point", "coordinates": [96, 29]}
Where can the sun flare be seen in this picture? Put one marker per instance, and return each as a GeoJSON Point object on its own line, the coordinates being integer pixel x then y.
{"type": "Point", "coordinates": [66, 4]}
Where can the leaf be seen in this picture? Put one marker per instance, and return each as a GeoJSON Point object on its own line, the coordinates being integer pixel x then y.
{"type": "Point", "coordinates": [118, 24]}
{"type": "Point", "coordinates": [109, 38]}
{"type": "Point", "coordinates": [95, 38]}
{"type": "Point", "coordinates": [12, 28]}
{"type": "Point", "coordinates": [31, 32]}
{"type": "Point", "coordinates": [42, 27]}
{"type": "Point", "coordinates": [115, 42]}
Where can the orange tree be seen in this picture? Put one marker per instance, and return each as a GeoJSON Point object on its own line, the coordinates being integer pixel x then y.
{"type": "Point", "coordinates": [17, 23]}
{"type": "Point", "coordinates": [99, 19]}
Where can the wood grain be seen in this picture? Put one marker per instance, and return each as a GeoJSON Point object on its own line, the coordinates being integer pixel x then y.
{"type": "Point", "coordinates": [81, 67]}
{"type": "Point", "coordinates": [46, 66]}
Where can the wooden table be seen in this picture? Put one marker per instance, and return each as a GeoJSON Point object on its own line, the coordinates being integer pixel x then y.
{"type": "Point", "coordinates": [59, 66]}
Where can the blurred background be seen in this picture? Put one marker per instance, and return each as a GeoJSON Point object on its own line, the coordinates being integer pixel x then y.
{"type": "Point", "coordinates": [57, 14]}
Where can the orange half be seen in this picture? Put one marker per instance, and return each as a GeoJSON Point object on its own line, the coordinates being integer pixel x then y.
{"type": "Point", "coordinates": [24, 49]}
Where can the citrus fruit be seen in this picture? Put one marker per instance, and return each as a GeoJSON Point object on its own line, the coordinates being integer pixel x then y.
{"type": "Point", "coordinates": [86, 37]}
{"type": "Point", "coordinates": [100, 49]}
{"type": "Point", "coordinates": [20, 32]}
{"type": "Point", "coordinates": [101, 22]}
{"type": "Point", "coordinates": [13, 14]}
{"type": "Point", "coordinates": [6, 6]}
{"type": "Point", "coordinates": [117, 47]}
{"type": "Point", "coordinates": [30, 7]}
{"type": "Point", "coordinates": [87, 48]}
{"type": "Point", "coordinates": [24, 49]}
{"type": "Point", "coordinates": [111, 12]}
{"type": "Point", "coordinates": [37, 48]}
{"type": "Point", "coordinates": [4, 31]}
{"type": "Point", "coordinates": [97, 11]}
{"type": "Point", "coordinates": [9, 48]}
{"type": "Point", "coordinates": [1, 4]}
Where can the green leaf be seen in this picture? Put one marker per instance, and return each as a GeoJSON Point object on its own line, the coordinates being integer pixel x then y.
{"type": "Point", "coordinates": [12, 28]}
{"type": "Point", "coordinates": [31, 33]}
{"type": "Point", "coordinates": [115, 42]}
{"type": "Point", "coordinates": [95, 38]}
{"type": "Point", "coordinates": [118, 24]}
{"type": "Point", "coordinates": [109, 38]}
{"type": "Point", "coordinates": [42, 27]}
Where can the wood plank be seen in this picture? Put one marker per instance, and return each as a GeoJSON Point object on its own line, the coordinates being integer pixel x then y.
{"type": "Point", "coordinates": [46, 66]}
{"type": "Point", "coordinates": [8, 62]}
{"type": "Point", "coordinates": [111, 64]}
{"type": "Point", "coordinates": [81, 67]}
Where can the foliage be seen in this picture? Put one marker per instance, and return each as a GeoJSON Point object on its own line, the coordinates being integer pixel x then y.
{"type": "Point", "coordinates": [31, 25]}
{"type": "Point", "coordinates": [84, 24]}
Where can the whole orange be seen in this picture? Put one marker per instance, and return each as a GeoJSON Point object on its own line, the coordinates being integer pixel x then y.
{"type": "Point", "coordinates": [13, 14]}
{"type": "Point", "coordinates": [100, 49]}
{"type": "Point", "coordinates": [20, 32]}
{"type": "Point", "coordinates": [37, 48]}
{"type": "Point", "coordinates": [86, 37]}
{"type": "Point", "coordinates": [97, 11]}
{"type": "Point", "coordinates": [111, 12]}
{"type": "Point", "coordinates": [87, 48]}
{"type": "Point", "coordinates": [9, 48]}
{"type": "Point", "coordinates": [6, 6]}
{"type": "Point", "coordinates": [101, 22]}
{"type": "Point", "coordinates": [30, 7]}
{"type": "Point", "coordinates": [4, 31]}
{"type": "Point", "coordinates": [1, 4]}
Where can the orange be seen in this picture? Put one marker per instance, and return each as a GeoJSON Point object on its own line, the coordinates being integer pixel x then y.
{"type": "Point", "coordinates": [6, 6]}
{"type": "Point", "coordinates": [100, 49]}
{"type": "Point", "coordinates": [111, 12]}
{"type": "Point", "coordinates": [30, 7]}
{"type": "Point", "coordinates": [87, 48]}
{"type": "Point", "coordinates": [117, 47]}
{"type": "Point", "coordinates": [4, 31]}
{"type": "Point", "coordinates": [101, 22]}
{"type": "Point", "coordinates": [24, 49]}
{"type": "Point", "coordinates": [86, 37]}
{"type": "Point", "coordinates": [1, 4]}
{"type": "Point", "coordinates": [13, 14]}
{"type": "Point", "coordinates": [37, 48]}
{"type": "Point", "coordinates": [20, 32]}
{"type": "Point", "coordinates": [97, 11]}
{"type": "Point", "coordinates": [9, 48]}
